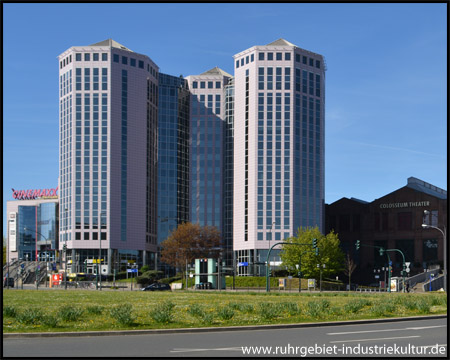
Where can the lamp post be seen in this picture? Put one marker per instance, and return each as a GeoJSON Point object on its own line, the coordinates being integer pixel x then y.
{"type": "Point", "coordinates": [99, 263]}
{"type": "Point", "coordinates": [444, 235]}
{"type": "Point", "coordinates": [271, 236]}
{"type": "Point", "coordinates": [320, 271]}
{"type": "Point", "coordinates": [65, 252]}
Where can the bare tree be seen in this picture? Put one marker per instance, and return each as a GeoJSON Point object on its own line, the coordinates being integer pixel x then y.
{"type": "Point", "coordinates": [350, 266]}
{"type": "Point", "coordinates": [188, 242]}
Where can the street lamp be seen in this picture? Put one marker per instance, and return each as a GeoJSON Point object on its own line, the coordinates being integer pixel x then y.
{"type": "Point", "coordinates": [271, 236]}
{"type": "Point", "coordinates": [444, 235]}
{"type": "Point", "coordinates": [320, 270]}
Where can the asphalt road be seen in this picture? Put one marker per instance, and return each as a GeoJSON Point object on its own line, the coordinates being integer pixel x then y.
{"type": "Point", "coordinates": [382, 339]}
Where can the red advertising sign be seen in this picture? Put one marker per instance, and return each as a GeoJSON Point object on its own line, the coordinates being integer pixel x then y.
{"type": "Point", "coordinates": [34, 194]}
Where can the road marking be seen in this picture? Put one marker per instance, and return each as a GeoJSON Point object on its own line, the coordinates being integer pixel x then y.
{"type": "Point", "coordinates": [359, 340]}
{"type": "Point", "coordinates": [176, 350]}
{"type": "Point", "coordinates": [369, 331]}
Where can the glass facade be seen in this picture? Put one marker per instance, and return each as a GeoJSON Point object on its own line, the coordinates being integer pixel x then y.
{"type": "Point", "coordinates": [227, 234]}
{"type": "Point", "coordinates": [38, 231]}
{"type": "Point", "coordinates": [173, 154]}
{"type": "Point", "coordinates": [207, 147]}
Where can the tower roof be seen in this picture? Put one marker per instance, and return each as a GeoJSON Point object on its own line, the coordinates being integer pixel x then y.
{"type": "Point", "coordinates": [111, 43]}
{"type": "Point", "coordinates": [216, 71]}
{"type": "Point", "coordinates": [281, 42]}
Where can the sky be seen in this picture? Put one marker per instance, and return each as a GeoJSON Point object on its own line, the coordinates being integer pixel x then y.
{"type": "Point", "coordinates": [386, 78]}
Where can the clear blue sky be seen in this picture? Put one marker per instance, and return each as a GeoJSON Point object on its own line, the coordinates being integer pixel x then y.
{"type": "Point", "coordinates": [386, 84]}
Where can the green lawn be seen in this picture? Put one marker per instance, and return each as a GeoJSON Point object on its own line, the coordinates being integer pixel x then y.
{"type": "Point", "coordinates": [89, 310]}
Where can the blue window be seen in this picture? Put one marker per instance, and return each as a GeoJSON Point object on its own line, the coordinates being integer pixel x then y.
{"type": "Point", "coordinates": [287, 56]}
{"type": "Point", "coordinates": [141, 65]}
{"type": "Point", "coordinates": [270, 56]}
{"type": "Point", "coordinates": [77, 57]}
{"type": "Point", "coordinates": [279, 56]}
{"type": "Point", "coordinates": [133, 62]}
{"type": "Point", "coordinates": [195, 85]}
{"type": "Point", "coordinates": [261, 56]}
{"type": "Point", "coordinates": [104, 57]}
{"type": "Point", "coordinates": [87, 57]}
{"type": "Point", "coordinates": [124, 60]}
{"type": "Point", "coordinates": [95, 57]}
{"type": "Point", "coordinates": [237, 64]}
{"type": "Point", "coordinates": [116, 58]}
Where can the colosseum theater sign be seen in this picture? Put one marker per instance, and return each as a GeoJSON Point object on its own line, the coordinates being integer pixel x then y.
{"type": "Point", "coordinates": [405, 204]}
{"type": "Point", "coordinates": [35, 194]}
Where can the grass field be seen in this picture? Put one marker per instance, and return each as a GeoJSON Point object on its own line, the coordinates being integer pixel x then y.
{"type": "Point", "coordinates": [87, 310]}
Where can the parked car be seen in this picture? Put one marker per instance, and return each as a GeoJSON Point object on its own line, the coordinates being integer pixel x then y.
{"type": "Point", "coordinates": [156, 287]}
{"type": "Point", "coordinates": [9, 280]}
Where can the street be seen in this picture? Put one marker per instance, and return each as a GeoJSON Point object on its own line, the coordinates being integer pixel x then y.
{"type": "Point", "coordinates": [398, 338]}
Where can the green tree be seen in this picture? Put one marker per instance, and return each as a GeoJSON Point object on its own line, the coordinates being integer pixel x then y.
{"type": "Point", "coordinates": [330, 253]}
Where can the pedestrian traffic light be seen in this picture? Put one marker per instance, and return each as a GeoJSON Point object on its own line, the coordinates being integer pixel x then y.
{"type": "Point", "coordinates": [314, 243]}
{"type": "Point", "coordinates": [357, 244]}
{"type": "Point", "coordinates": [381, 251]}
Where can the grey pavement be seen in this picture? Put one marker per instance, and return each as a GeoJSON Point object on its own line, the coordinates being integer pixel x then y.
{"type": "Point", "coordinates": [344, 339]}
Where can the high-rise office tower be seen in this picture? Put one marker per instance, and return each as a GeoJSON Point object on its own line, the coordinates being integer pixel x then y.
{"type": "Point", "coordinates": [278, 147]}
{"type": "Point", "coordinates": [173, 154]}
{"type": "Point", "coordinates": [206, 144]}
{"type": "Point", "coordinates": [108, 156]}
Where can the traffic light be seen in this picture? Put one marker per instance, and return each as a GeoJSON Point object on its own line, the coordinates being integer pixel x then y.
{"type": "Point", "coordinates": [64, 247]}
{"type": "Point", "coordinates": [317, 251]}
{"type": "Point", "coordinates": [381, 251]}
{"type": "Point", "coordinates": [314, 243]}
{"type": "Point", "coordinates": [358, 244]}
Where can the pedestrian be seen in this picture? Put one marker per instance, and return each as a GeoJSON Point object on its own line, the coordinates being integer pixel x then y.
{"type": "Point", "coordinates": [407, 287]}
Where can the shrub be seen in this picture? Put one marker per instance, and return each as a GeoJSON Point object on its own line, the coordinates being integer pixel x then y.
{"type": "Point", "coordinates": [423, 306]}
{"type": "Point", "coordinates": [50, 321]}
{"type": "Point", "coordinates": [355, 306]}
{"type": "Point", "coordinates": [30, 316]}
{"type": "Point", "coordinates": [269, 311]}
{"type": "Point", "coordinates": [95, 309]}
{"type": "Point", "coordinates": [149, 277]}
{"type": "Point", "coordinates": [382, 308]}
{"type": "Point", "coordinates": [291, 308]}
{"type": "Point", "coordinates": [9, 311]}
{"type": "Point", "coordinates": [70, 313]}
{"type": "Point", "coordinates": [207, 318]}
{"type": "Point", "coordinates": [196, 310]}
{"type": "Point", "coordinates": [122, 314]}
{"type": "Point", "coordinates": [225, 313]}
{"type": "Point", "coordinates": [163, 312]}
{"type": "Point", "coordinates": [313, 309]}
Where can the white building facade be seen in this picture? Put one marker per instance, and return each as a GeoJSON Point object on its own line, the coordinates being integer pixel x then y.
{"type": "Point", "coordinates": [278, 148]}
{"type": "Point", "coordinates": [108, 155]}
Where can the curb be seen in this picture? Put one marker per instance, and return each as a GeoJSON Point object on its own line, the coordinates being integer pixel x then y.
{"type": "Point", "coordinates": [216, 329]}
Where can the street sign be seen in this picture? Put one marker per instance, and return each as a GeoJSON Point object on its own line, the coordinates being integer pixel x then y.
{"type": "Point", "coordinates": [132, 270]}
{"type": "Point", "coordinates": [407, 264]}
{"type": "Point", "coordinates": [22, 266]}
{"type": "Point", "coordinates": [245, 263]}
{"type": "Point", "coordinates": [390, 263]}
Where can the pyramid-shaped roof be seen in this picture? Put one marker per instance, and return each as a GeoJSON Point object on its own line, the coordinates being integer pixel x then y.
{"type": "Point", "coordinates": [111, 43]}
{"type": "Point", "coordinates": [216, 71]}
{"type": "Point", "coordinates": [281, 42]}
